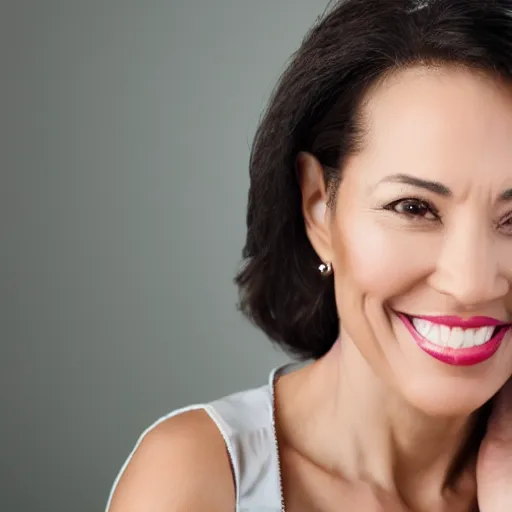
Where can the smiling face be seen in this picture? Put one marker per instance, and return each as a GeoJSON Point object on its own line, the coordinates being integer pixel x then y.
{"type": "Point", "coordinates": [423, 228]}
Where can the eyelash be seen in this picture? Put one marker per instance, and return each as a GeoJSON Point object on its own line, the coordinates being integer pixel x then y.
{"type": "Point", "coordinates": [431, 209]}
{"type": "Point", "coordinates": [507, 223]}
{"type": "Point", "coordinates": [416, 202]}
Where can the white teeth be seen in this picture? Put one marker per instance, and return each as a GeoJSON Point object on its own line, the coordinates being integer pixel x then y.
{"type": "Point", "coordinates": [452, 337]}
{"type": "Point", "coordinates": [435, 334]}
{"type": "Point", "coordinates": [423, 327]}
{"type": "Point", "coordinates": [445, 334]}
{"type": "Point", "coordinates": [457, 337]}
{"type": "Point", "coordinates": [483, 335]}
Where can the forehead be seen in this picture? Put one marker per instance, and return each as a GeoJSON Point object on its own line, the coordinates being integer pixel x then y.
{"type": "Point", "coordinates": [445, 124]}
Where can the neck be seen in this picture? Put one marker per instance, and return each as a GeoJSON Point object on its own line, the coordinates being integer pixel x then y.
{"type": "Point", "coordinates": [370, 433]}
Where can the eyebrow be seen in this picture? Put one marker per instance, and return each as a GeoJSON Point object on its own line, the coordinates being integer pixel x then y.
{"type": "Point", "coordinates": [506, 195]}
{"type": "Point", "coordinates": [435, 186]}
{"type": "Point", "coordinates": [432, 186]}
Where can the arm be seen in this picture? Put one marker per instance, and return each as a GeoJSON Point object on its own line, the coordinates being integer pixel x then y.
{"type": "Point", "coordinates": [494, 469]}
{"type": "Point", "coordinates": [181, 466]}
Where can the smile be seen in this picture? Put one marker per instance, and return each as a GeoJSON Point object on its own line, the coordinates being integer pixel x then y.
{"type": "Point", "coordinates": [455, 341]}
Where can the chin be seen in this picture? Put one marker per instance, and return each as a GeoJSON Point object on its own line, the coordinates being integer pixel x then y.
{"type": "Point", "coordinates": [449, 398]}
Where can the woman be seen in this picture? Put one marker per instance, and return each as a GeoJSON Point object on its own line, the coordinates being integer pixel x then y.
{"type": "Point", "coordinates": [379, 245]}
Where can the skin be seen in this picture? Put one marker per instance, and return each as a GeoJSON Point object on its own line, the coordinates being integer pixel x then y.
{"type": "Point", "coordinates": [494, 468]}
{"type": "Point", "coordinates": [396, 416]}
{"type": "Point", "coordinates": [376, 423]}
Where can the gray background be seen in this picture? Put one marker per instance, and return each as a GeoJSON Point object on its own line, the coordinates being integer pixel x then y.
{"type": "Point", "coordinates": [125, 135]}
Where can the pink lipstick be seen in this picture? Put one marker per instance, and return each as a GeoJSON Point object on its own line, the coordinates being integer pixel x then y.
{"type": "Point", "coordinates": [457, 341]}
{"type": "Point", "coordinates": [474, 322]}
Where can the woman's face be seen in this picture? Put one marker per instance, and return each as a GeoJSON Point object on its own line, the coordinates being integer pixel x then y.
{"type": "Point", "coordinates": [421, 239]}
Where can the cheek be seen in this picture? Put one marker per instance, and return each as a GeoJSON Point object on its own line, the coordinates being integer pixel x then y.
{"type": "Point", "coordinates": [381, 259]}
{"type": "Point", "coordinates": [508, 299]}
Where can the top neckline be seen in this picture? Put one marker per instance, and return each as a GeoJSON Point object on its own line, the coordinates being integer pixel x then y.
{"type": "Point", "coordinates": [274, 375]}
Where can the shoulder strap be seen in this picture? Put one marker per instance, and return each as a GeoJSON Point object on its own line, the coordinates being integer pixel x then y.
{"type": "Point", "coordinates": [245, 420]}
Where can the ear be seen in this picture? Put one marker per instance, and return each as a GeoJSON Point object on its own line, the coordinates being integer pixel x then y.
{"type": "Point", "coordinates": [310, 176]}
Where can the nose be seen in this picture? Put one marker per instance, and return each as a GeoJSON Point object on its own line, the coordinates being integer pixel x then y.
{"type": "Point", "coordinates": [468, 267]}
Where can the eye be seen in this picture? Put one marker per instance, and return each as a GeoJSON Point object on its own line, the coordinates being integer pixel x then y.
{"type": "Point", "coordinates": [506, 225]}
{"type": "Point", "coordinates": [414, 207]}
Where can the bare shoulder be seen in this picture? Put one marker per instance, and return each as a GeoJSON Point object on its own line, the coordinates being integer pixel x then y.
{"type": "Point", "coordinates": [181, 465]}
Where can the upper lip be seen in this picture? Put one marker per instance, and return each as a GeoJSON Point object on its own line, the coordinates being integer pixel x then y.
{"type": "Point", "coordinates": [473, 322]}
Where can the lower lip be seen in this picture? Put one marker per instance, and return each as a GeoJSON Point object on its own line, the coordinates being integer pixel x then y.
{"type": "Point", "coordinates": [456, 356]}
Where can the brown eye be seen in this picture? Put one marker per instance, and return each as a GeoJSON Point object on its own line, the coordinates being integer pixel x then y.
{"type": "Point", "coordinates": [506, 226]}
{"type": "Point", "coordinates": [414, 208]}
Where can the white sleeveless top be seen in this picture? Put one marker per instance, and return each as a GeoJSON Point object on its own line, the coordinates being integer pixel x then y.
{"type": "Point", "coordinates": [246, 422]}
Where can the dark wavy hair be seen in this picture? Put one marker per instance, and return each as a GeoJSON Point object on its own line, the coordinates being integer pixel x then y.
{"type": "Point", "coordinates": [316, 107]}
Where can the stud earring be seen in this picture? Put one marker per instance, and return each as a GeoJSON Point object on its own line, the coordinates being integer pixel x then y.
{"type": "Point", "coordinates": [325, 269]}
